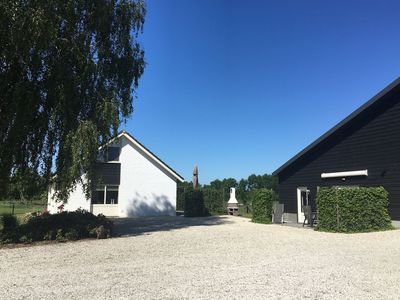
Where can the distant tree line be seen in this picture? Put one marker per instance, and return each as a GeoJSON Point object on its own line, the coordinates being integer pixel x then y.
{"type": "Point", "coordinates": [216, 194]}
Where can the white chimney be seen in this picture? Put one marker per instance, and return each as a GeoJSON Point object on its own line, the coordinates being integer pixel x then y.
{"type": "Point", "coordinates": [232, 198]}
{"type": "Point", "coordinates": [233, 204]}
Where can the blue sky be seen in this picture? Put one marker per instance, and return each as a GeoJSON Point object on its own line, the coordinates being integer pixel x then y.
{"type": "Point", "coordinates": [239, 87]}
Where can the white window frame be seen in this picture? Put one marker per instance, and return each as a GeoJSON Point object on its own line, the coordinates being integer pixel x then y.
{"type": "Point", "coordinates": [104, 188]}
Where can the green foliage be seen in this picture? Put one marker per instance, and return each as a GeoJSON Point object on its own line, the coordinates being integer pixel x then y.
{"type": "Point", "coordinates": [72, 235]}
{"type": "Point", "coordinates": [60, 237]}
{"type": "Point", "coordinates": [25, 240]}
{"type": "Point", "coordinates": [8, 222]}
{"type": "Point", "coordinates": [100, 232]}
{"type": "Point", "coordinates": [214, 201]}
{"type": "Point", "coordinates": [194, 204]}
{"type": "Point", "coordinates": [216, 194]}
{"type": "Point", "coordinates": [63, 226]}
{"type": "Point", "coordinates": [26, 185]}
{"type": "Point", "coordinates": [69, 71]}
{"type": "Point", "coordinates": [265, 181]}
{"type": "Point", "coordinates": [262, 206]}
{"type": "Point", "coordinates": [49, 236]}
{"type": "Point", "coordinates": [353, 210]}
{"type": "Point", "coordinates": [181, 189]}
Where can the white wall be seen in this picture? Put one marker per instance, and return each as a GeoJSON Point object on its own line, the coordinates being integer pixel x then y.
{"type": "Point", "coordinates": [145, 189]}
{"type": "Point", "coordinates": [76, 200]}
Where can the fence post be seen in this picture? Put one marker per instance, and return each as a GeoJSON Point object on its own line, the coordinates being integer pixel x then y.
{"type": "Point", "coordinates": [13, 208]}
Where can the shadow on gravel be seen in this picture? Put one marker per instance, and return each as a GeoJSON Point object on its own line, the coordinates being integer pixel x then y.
{"type": "Point", "coordinates": [143, 225]}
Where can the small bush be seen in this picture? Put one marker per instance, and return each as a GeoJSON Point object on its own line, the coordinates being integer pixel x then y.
{"type": "Point", "coordinates": [194, 204]}
{"type": "Point", "coordinates": [28, 216]}
{"type": "Point", "coordinates": [9, 222]}
{"type": "Point", "coordinates": [60, 237]}
{"type": "Point", "coordinates": [72, 235]}
{"type": "Point", "coordinates": [262, 206]}
{"type": "Point", "coordinates": [49, 236]}
{"type": "Point", "coordinates": [353, 210]}
{"type": "Point", "coordinates": [100, 232]}
{"type": "Point", "coordinates": [24, 239]}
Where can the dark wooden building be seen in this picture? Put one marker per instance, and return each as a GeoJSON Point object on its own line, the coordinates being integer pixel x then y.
{"type": "Point", "coordinates": [361, 151]}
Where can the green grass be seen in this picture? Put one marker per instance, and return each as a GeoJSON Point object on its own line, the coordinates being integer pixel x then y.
{"type": "Point", "coordinates": [6, 207]}
{"type": "Point", "coordinates": [243, 212]}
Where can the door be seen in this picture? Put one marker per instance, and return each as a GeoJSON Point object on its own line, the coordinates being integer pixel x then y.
{"type": "Point", "coordinates": [302, 199]}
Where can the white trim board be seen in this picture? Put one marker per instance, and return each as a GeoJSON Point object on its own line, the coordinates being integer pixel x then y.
{"type": "Point", "coordinates": [345, 174]}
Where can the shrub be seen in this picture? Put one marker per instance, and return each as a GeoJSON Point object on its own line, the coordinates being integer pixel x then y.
{"type": "Point", "coordinates": [28, 216]}
{"type": "Point", "coordinates": [60, 237]}
{"type": "Point", "coordinates": [8, 222]}
{"type": "Point", "coordinates": [100, 232]}
{"type": "Point", "coordinates": [194, 204]}
{"type": "Point", "coordinates": [24, 239]}
{"type": "Point", "coordinates": [214, 202]}
{"type": "Point", "coordinates": [49, 236]}
{"type": "Point", "coordinates": [353, 210]}
{"type": "Point", "coordinates": [262, 206]}
{"type": "Point", "coordinates": [61, 226]}
{"type": "Point", "coordinates": [72, 235]}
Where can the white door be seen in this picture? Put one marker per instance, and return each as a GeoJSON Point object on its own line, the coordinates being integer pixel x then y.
{"type": "Point", "coordinates": [302, 199]}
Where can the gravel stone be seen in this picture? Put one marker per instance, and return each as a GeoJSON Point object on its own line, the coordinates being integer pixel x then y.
{"type": "Point", "coordinates": [207, 258]}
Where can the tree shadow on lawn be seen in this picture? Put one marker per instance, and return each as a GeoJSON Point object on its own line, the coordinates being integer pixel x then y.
{"type": "Point", "coordinates": [146, 225]}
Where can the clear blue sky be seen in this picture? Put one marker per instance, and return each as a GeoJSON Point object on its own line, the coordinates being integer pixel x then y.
{"type": "Point", "coordinates": [239, 87]}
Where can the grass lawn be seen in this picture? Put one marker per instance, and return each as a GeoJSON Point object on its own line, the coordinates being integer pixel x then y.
{"type": "Point", "coordinates": [243, 212]}
{"type": "Point", "coordinates": [6, 207]}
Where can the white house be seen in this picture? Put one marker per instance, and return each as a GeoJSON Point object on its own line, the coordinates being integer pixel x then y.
{"type": "Point", "coordinates": [134, 182]}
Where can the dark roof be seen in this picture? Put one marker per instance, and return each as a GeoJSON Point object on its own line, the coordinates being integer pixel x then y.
{"type": "Point", "coordinates": [341, 124]}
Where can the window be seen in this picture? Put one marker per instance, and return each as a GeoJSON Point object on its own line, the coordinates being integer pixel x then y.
{"type": "Point", "coordinates": [112, 195]}
{"type": "Point", "coordinates": [112, 153]}
{"type": "Point", "coordinates": [98, 196]}
{"type": "Point", "coordinates": [105, 195]}
{"type": "Point", "coordinates": [304, 194]}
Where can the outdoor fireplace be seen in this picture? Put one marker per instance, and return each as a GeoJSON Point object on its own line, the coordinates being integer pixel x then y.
{"type": "Point", "coordinates": [233, 204]}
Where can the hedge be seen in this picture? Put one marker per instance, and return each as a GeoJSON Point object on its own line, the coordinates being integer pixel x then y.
{"type": "Point", "coordinates": [194, 204]}
{"type": "Point", "coordinates": [214, 202]}
{"type": "Point", "coordinates": [353, 210]}
{"type": "Point", "coordinates": [262, 206]}
{"type": "Point", "coordinates": [180, 199]}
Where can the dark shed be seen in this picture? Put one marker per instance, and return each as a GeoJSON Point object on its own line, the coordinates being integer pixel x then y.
{"type": "Point", "coordinates": [362, 150]}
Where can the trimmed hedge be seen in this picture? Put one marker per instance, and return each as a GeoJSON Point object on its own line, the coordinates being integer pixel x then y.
{"type": "Point", "coordinates": [214, 202]}
{"type": "Point", "coordinates": [262, 206]}
{"type": "Point", "coordinates": [180, 199]}
{"type": "Point", "coordinates": [353, 210]}
{"type": "Point", "coordinates": [194, 204]}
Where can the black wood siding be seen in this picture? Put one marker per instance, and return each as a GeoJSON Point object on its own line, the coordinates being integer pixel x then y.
{"type": "Point", "coordinates": [109, 173]}
{"type": "Point", "coordinates": [370, 141]}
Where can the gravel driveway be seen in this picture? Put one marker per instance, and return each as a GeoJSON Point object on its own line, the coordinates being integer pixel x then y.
{"type": "Point", "coordinates": [211, 258]}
